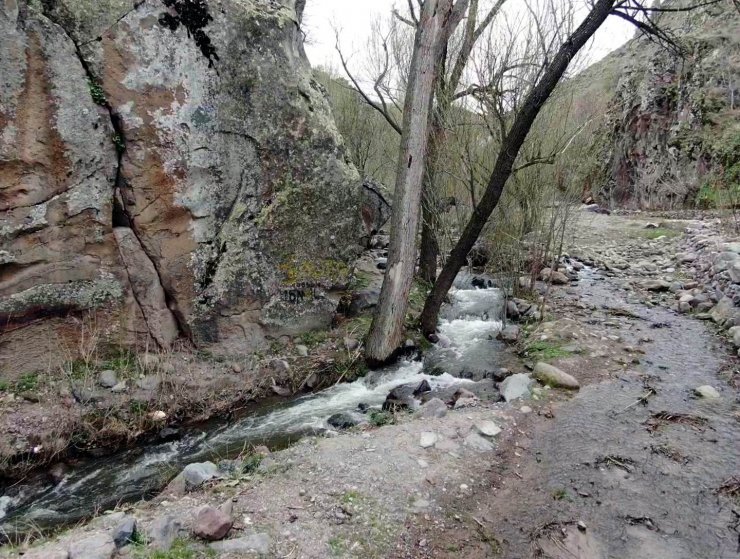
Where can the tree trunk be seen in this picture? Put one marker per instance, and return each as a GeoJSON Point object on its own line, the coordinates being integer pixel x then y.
{"type": "Point", "coordinates": [437, 20]}
{"type": "Point", "coordinates": [506, 157]}
{"type": "Point", "coordinates": [429, 250]}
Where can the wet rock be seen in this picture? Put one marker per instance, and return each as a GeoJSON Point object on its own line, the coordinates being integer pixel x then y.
{"type": "Point", "coordinates": [428, 439]}
{"type": "Point", "coordinates": [509, 335]}
{"type": "Point", "coordinates": [198, 473]}
{"type": "Point", "coordinates": [343, 420]}
{"type": "Point", "coordinates": [433, 408]}
{"type": "Point", "coordinates": [124, 532]}
{"type": "Point", "coordinates": [706, 391]}
{"type": "Point", "coordinates": [98, 546]}
{"type": "Point", "coordinates": [515, 387]}
{"type": "Point", "coordinates": [552, 376]}
{"type": "Point", "coordinates": [487, 428]}
{"type": "Point", "coordinates": [401, 397]}
{"type": "Point", "coordinates": [212, 524]}
{"type": "Point", "coordinates": [5, 503]}
{"type": "Point", "coordinates": [422, 388]}
{"type": "Point", "coordinates": [255, 543]}
{"type": "Point", "coordinates": [57, 472]}
{"type": "Point", "coordinates": [477, 442]}
{"type": "Point", "coordinates": [107, 379]}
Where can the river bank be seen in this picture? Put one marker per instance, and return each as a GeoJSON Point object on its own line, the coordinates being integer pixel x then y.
{"type": "Point", "coordinates": [636, 463]}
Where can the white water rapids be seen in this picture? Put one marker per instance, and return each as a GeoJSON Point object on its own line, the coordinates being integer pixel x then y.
{"type": "Point", "coordinates": [470, 320]}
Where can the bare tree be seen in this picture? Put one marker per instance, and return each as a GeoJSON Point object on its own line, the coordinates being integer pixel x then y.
{"type": "Point", "coordinates": [435, 24]}
{"type": "Point", "coordinates": [523, 117]}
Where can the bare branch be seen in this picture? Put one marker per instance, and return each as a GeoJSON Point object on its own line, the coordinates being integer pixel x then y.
{"type": "Point", "coordinates": [382, 109]}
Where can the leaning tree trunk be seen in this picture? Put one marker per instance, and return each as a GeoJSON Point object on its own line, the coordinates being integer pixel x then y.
{"type": "Point", "coordinates": [437, 20]}
{"type": "Point", "coordinates": [506, 157]}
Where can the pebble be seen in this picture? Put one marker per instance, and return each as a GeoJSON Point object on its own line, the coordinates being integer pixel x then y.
{"type": "Point", "coordinates": [428, 439]}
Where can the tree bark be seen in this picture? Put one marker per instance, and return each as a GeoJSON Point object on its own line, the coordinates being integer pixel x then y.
{"type": "Point", "coordinates": [437, 21]}
{"type": "Point", "coordinates": [429, 249]}
{"type": "Point", "coordinates": [508, 153]}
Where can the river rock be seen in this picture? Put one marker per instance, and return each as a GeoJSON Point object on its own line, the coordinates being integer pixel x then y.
{"type": "Point", "coordinates": [725, 313]}
{"type": "Point", "coordinates": [5, 503]}
{"type": "Point", "coordinates": [198, 473]}
{"type": "Point", "coordinates": [255, 543]}
{"type": "Point", "coordinates": [515, 387]}
{"type": "Point", "coordinates": [656, 285]}
{"type": "Point", "coordinates": [509, 335]}
{"type": "Point", "coordinates": [108, 379]}
{"type": "Point", "coordinates": [124, 532]}
{"type": "Point", "coordinates": [487, 428]}
{"type": "Point", "coordinates": [343, 420]}
{"type": "Point", "coordinates": [706, 391]}
{"type": "Point", "coordinates": [428, 439]}
{"type": "Point", "coordinates": [212, 524]}
{"type": "Point", "coordinates": [433, 408]}
{"type": "Point", "coordinates": [97, 546]}
{"type": "Point", "coordinates": [552, 376]}
{"type": "Point", "coordinates": [477, 442]}
{"type": "Point", "coordinates": [163, 531]}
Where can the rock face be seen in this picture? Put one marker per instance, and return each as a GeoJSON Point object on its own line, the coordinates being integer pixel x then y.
{"type": "Point", "coordinates": [170, 166]}
{"type": "Point", "coordinates": [671, 122]}
{"type": "Point", "coordinates": [671, 128]}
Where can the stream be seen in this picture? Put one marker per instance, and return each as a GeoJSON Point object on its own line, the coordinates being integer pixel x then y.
{"type": "Point", "coordinates": [469, 324]}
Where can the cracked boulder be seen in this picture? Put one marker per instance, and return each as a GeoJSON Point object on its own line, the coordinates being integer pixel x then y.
{"type": "Point", "coordinates": [173, 165]}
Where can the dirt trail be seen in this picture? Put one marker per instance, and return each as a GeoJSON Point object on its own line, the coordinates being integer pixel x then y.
{"type": "Point", "coordinates": [637, 458]}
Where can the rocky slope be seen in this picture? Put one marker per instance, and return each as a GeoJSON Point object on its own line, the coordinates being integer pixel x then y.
{"type": "Point", "coordinates": [168, 170]}
{"type": "Point", "coordinates": [669, 123]}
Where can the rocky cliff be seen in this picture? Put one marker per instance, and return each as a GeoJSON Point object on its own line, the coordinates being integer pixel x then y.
{"type": "Point", "coordinates": [169, 170]}
{"type": "Point", "coordinates": [670, 125]}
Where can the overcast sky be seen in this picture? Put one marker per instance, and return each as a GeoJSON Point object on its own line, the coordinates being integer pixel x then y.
{"type": "Point", "coordinates": [353, 18]}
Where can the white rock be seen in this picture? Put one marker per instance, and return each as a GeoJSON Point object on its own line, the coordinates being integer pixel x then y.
{"type": "Point", "coordinates": [487, 428]}
{"type": "Point", "coordinates": [706, 391]}
{"type": "Point", "coordinates": [428, 439]}
{"type": "Point", "coordinates": [516, 386]}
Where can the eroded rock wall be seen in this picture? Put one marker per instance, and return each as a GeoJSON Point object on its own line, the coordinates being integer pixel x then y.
{"type": "Point", "coordinates": [674, 117]}
{"type": "Point", "coordinates": [169, 165]}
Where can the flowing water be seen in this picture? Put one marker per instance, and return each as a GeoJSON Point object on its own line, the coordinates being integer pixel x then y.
{"type": "Point", "coordinates": [471, 320]}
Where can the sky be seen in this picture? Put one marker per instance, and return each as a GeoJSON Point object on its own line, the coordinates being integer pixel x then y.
{"type": "Point", "coordinates": [353, 17]}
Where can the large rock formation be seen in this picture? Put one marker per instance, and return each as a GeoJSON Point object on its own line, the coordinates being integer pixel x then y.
{"type": "Point", "coordinates": [666, 121]}
{"type": "Point", "coordinates": [675, 114]}
{"type": "Point", "coordinates": [168, 168]}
